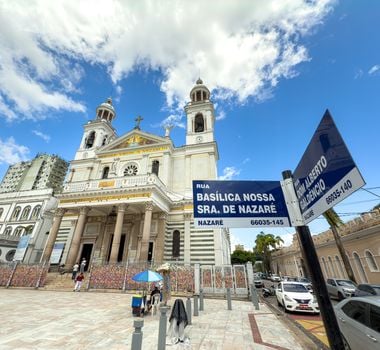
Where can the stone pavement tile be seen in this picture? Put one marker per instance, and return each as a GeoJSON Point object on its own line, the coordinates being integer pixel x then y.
{"type": "Point", "coordinates": [63, 320]}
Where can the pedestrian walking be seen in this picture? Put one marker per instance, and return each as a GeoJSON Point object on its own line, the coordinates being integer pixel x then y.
{"type": "Point", "coordinates": [82, 265]}
{"type": "Point", "coordinates": [78, 282]}
{"type": "Point", "coordinates": [75, 271]}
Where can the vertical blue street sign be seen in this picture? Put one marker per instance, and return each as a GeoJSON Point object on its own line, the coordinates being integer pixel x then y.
{"type": "Point", "coordinates": [326, 173]}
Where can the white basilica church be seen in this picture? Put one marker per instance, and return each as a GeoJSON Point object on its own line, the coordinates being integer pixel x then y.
{"type": "Point", "coordinates": [129, 198]}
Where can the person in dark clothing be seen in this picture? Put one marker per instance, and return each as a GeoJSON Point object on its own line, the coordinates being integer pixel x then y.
{"type": "Point", "coordinates": [154, 291]}
{"type": "Point", "coordinates": [178, 321]}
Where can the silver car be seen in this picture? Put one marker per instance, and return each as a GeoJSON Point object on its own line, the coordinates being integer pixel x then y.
{"type": "Point", "coordinates": [359, 322]}
{"type": "Point", "coordinates": [340, 288]}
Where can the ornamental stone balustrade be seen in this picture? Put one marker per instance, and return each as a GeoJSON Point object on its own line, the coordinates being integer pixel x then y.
{"type": "Point", "coordinates": [113, 183]}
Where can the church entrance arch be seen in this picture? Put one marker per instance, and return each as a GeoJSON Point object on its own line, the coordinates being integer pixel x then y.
{"type": "Point", "coordinates": [86, 253]}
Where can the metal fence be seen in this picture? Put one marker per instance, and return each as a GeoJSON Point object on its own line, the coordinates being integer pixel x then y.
{"type": "Point", "coordinates": [16, 274]}
{"type": "Point", "coordinates": [182, 278]}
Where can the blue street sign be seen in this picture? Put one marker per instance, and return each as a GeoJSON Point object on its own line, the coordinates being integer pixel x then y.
{"type": "Point", "coordinates": [326, 173]}
{"type": "Point", "coordinates": [239, 204]}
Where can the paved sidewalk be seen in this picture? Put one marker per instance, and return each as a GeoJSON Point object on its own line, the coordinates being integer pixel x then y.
{"type": "Point", "coordinates": [33, 319]}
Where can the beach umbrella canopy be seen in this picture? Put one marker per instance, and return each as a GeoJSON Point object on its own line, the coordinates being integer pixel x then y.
{"type": "Point", "coordinates": [147, 276]}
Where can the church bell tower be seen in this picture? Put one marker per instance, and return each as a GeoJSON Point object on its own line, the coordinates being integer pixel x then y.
{"type": "Point", "coordinates": [97, 132]}
{"type": "Point", "coordinates": [200, 115]}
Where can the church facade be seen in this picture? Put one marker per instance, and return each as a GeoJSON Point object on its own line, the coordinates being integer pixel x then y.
{"type": "Point", "coordinates": [129, 198]}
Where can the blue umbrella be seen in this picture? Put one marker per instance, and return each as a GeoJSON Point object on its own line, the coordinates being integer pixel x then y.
{"type": "Point", "coordinates": [147, 276]}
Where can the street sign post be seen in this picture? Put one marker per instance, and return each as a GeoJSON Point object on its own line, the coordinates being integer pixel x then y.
{"type": "Point", "coordinates": [326, 173]}
{"type": "Point", "coordinates": [220, 204]}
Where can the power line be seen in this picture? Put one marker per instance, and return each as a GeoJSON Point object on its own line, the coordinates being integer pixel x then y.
{"type": "Point", "coordinates": [364, 189]}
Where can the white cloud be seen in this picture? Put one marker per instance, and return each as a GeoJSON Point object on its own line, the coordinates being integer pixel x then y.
{"type": "Point", "coordinates": [287, 238]}
{"type": "Point", "coordinates": [229, 173]}
{"type": "Point", "coordinates": [246, 160]}
{"type": "Point", "coordinates": [374, 70]}
{"type": "Point", "coordinates": [241, 50]}
{"type": "Point", "coordinates": [43, 136]}
{"type": "Point", "coordinates": [358, 74]}
{"type": "Point", "coordinates": [221, 115]}
{"type": "Point", "coordinates": [11, 153]}
{"type": "Point", "coordinates": [173, 120]}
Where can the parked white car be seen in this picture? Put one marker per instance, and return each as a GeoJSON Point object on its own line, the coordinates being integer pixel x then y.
{"type": "Point", "coordinates": [275, 278]}
{"type": "Point", "coordinates": [294, 296]}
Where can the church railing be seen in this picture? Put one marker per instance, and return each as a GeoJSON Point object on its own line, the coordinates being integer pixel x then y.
{"type": "Point", "coordinates": [114, 183]}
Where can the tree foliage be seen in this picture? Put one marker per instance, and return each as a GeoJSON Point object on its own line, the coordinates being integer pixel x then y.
{"type": "Point", "coordinates": [265, 243]}
{"type": "Point", "coordinates": [242, 257]}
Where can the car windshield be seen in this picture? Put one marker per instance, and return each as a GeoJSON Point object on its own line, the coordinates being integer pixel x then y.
{"type": "Point", "coordinates": [304, 280]}
{"type": "Point", "coordinates": [295, 288]}
{"type": "Point", "coordinates": [345, 283]}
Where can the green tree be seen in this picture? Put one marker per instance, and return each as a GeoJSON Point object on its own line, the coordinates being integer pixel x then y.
{"type": "Point", "coordinates": [335, 221]}
{"type": "Point", "coordinates": [242, 257]}
{"type": "Point", "coordinates": [265, 243]}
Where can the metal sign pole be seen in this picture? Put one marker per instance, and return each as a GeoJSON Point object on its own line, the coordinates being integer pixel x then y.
{"type": "Point", "coordinates": [319, 285]}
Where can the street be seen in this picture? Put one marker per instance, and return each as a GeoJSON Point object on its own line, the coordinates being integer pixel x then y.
{"type": "Point", "coordinates": [311, 323]}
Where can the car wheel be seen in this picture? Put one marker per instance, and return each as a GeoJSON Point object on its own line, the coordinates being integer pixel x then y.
{"type": "Point", "coordinates": [340, 296]}
{"type": "Point", "coordinates": [345, 344]}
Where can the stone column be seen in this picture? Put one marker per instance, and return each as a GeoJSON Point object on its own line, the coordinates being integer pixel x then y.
{"type": "Point", "coordinates": [135, 231]}
{"type": "Point", "coordinates": [74, 248]}
{"type": "Point", "coordinates": [127, 241]}
{"type": "Point", "coordinates": [187, 237]}
{"type": "Point", "coordinates": [160, 240]}
{"type": "Point", "coordinates": [165, 170]}
{"type": "Point", "coordinates": [117, 233]}
{"type": "Point", "coordinates": [146, 232]}
{"type": "Point", "coordinates": [188, 183]}
{"type": "Point", "coordinates": [58, 215]}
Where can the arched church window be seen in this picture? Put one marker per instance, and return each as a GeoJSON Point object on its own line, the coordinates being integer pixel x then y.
{"type": "Point", "coordinates": [131, 170]}
{"type": "Point", "coordinates": [18, 231]}
{"type": "Point", "coordinates": [25, 213]}
{"type": "Point", "coordinates": [371, 261]}
{"type": "Point", "coordinates": [204, 95]}
{"type": "Point", "coordinates": [104, 140]}
{"type": "Point", "coordinates": [36, 212]}
{"type": "Point", "coordinates": [8, 231]}
{"type": "Point", "coordinates": [360, 267]}
{"type": "Point", "coordinates": [106, 170]}
{"type": "Point", "coordinates": [155, 167]}
{"type": "Point", "coordinates": [199, 124]}
{"type": "Point", "coordinates": [199, 95]}
{"type": "Point", "coordinates": [90, 139]}
{"type": "Point", "coordinates": [176, 243]}
{"type": "Point", "coordinates": [16, 213]}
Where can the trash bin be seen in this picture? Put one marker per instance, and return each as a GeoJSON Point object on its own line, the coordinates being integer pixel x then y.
{"type": "Point", "coordinates": [136, 304]}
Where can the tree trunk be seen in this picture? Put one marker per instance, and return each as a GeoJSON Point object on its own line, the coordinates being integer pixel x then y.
{"type": "Point", "coordinates": [343, 254]}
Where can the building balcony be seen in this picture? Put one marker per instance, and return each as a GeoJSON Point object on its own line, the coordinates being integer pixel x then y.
{"type": "Point", "coordinates": [113, 183]}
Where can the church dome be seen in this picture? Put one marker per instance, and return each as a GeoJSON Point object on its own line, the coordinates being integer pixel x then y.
{"type": "Point", "coordinates": [200, 92]}
{"type": "Point", "coordinates": [106, 111]}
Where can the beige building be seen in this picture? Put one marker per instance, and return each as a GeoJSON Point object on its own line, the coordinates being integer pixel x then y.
{"type": "Point", "coordinates": [129, 198]}
{"type": "Point", "coordinates": [361, 241]}
{"type": "Point", "coordinates": [26, 205]}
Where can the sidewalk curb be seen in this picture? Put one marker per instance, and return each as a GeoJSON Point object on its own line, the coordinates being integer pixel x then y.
{"type": "Point", "coordinates": [314, 339]}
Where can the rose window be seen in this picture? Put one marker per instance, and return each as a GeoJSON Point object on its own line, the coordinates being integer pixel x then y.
{"type": "Point", "coordinates": [130, 170]}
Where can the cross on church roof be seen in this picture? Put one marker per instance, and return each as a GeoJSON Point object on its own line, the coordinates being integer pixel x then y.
{"type": "Point", "coordinates": [138, 121]}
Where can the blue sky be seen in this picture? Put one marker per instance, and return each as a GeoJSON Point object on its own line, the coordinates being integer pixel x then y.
{"type": "Point", "coordinates": [273, 68]}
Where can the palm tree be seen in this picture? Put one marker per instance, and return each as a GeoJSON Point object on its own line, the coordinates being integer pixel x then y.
{"type": "Point", "coordinates": [265, 242]}
{"type": "Point", "coordinates": [335, 221]}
